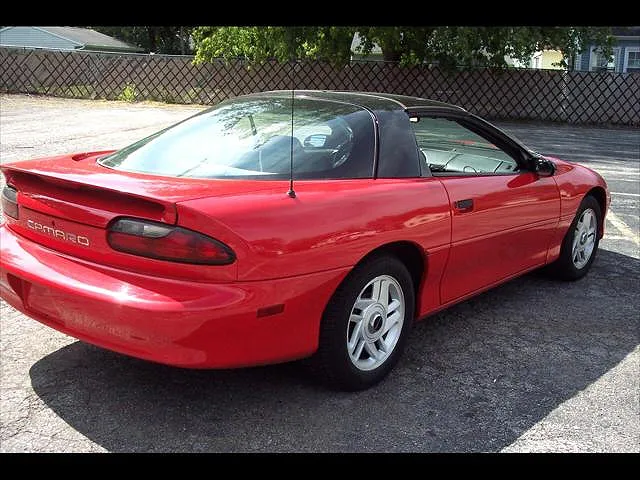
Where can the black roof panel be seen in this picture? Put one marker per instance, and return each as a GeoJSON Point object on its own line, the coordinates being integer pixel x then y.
{"type": "Point", "coordinates": [371, 100]}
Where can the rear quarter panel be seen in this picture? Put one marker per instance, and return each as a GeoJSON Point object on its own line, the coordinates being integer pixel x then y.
{"type": "Point", "coordinates": [328, 225]}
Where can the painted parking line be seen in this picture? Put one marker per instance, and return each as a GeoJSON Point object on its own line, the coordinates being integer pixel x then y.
{"type": "Point", "coordinates": [617, 171]}
{"type": "Point", "coordinates": [615, 237]}
{"type": "Point", "coordinates": [620, 194]}
{"type": "Point", "coordinates": [623, 228]}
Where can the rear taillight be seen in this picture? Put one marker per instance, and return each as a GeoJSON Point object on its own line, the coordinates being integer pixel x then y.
{"type": "Point", "coordinates": [10, 202]}
{"type": "Point", "coordinates": [166, 242]}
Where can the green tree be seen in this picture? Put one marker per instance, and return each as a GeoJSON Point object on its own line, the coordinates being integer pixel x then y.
{"type": "Point", "coordinates": [449, 46]}
{"type": "Point", "coordinates": [257, 44]}
{"type": "Point", "coordinates": [170, 40]}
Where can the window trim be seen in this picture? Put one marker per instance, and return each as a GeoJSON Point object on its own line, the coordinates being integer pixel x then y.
{"type": "Point", "coordinates": [628, 50]}
{"type": "Point", "coordinates": [516, 150]}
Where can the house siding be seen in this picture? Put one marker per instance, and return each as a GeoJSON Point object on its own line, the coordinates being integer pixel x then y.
{"type": "Point", "coordinates": [33, 37]}
{"type": "Point", "coordinates": [550, 58]}
{"type": "Point", "coordinates": [620, 46]}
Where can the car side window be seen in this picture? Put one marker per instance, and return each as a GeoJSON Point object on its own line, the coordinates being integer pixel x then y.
{"type": "Point", "coordinates": [448, 148]}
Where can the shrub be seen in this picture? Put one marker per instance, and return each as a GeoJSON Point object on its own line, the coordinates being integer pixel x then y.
{"type": "Point", "coordinates": [128, 93]}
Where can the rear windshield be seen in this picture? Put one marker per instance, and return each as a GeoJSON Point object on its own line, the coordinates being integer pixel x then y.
{"type": "Point", "coordinates": [255, 138]}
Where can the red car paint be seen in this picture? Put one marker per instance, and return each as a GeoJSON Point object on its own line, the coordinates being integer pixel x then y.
{"type": "Point", "coordinates": [291, 253]}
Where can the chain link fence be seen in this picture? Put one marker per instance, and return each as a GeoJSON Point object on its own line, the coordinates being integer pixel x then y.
{"type": "Point", "coordinates": [573, 97]}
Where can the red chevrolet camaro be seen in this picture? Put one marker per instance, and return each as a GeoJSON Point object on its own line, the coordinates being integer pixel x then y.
{"type": "Point", "coordinates": [280, 225]}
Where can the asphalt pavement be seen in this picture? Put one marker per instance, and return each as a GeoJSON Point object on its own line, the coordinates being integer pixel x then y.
{"type": "Point", "coordinates": [532, 365]}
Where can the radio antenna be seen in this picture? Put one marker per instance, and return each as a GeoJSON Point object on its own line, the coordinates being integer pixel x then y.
{"type": "Point", "coordinates": [291, 192]}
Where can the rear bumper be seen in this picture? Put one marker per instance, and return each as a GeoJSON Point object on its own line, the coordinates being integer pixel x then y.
{"type": "Point", "coordinates": [188, 324]}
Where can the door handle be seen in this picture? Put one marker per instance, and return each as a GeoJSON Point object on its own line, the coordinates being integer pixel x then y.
{"type": "Point", "coordinates": [465, 205]}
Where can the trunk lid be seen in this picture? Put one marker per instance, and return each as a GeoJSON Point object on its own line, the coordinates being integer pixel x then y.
{"type": "Point", "coordinates": [68, 180]}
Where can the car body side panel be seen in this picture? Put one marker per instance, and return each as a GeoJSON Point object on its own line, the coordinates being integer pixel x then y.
{"type": "Point", "coordinates": [508, 229]}
{"type": "Point", "coordinates": [329, 224]}
{"type": "Point", "coordinates": [428, 296]}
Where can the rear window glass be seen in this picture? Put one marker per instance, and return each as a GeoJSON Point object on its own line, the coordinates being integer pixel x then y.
{"type": "Point", "coordinates": [256, 138]}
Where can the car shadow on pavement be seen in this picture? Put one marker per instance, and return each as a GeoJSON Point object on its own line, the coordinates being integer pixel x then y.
{"type": "Point", "coordinates": [473, 378]}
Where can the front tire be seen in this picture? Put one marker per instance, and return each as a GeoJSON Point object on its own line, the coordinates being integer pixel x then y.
{"type": "Point", "coordinates": [365, 325]}
{"type": "Point", "coordinates": [581, 242]}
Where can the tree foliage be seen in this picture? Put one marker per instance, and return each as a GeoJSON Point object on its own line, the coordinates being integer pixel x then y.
{"type": "Point", "coordinates": [170, 40]}
{"type": "Point", "coordinates": [257, 44]}
{"type": "Point", "coordinates": [448, 46]}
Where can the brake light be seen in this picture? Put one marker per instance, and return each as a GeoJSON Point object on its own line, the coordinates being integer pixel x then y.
{"type": "Point", "coordinates": [10, 202]}
{"type": "Point", "coordinates": [166, 242]}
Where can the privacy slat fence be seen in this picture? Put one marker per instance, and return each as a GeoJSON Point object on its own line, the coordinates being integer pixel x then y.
{"type": "Point", "coordinates": [574, 97]}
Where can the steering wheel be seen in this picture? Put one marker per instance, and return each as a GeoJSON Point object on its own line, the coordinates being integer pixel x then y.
{"type": "Point", "coordinates": [341, 154]}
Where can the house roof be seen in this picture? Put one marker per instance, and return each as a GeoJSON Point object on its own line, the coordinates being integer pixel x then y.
{"type": "Point", "coordinates": [626, 31]}
{"type": "Point", "coordinates": [85, 38]}
{"type": "Point", "coordinates": [89, 38]}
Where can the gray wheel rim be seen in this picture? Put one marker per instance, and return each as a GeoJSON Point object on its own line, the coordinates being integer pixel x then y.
{"type": "Point", "coordinates": [584, 238]}
{"type": "Point", "coordinates": [375, 323]}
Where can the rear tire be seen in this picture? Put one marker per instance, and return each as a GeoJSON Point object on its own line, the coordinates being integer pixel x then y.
{"type": "Point", "coordinates": [365, 325]}
{"type": "Point", "coordinates": [581, 242]}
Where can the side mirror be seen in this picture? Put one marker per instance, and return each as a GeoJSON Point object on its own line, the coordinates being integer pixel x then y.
{"type": "Point", "coordinates": [542, 166]}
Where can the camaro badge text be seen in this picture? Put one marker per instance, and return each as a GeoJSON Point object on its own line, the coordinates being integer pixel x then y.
{"type": "Point", "coordinates": [57, 233]}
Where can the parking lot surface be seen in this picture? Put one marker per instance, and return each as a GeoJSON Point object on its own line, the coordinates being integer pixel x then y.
{"type": "Point", "coordinates": [533, 365]}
